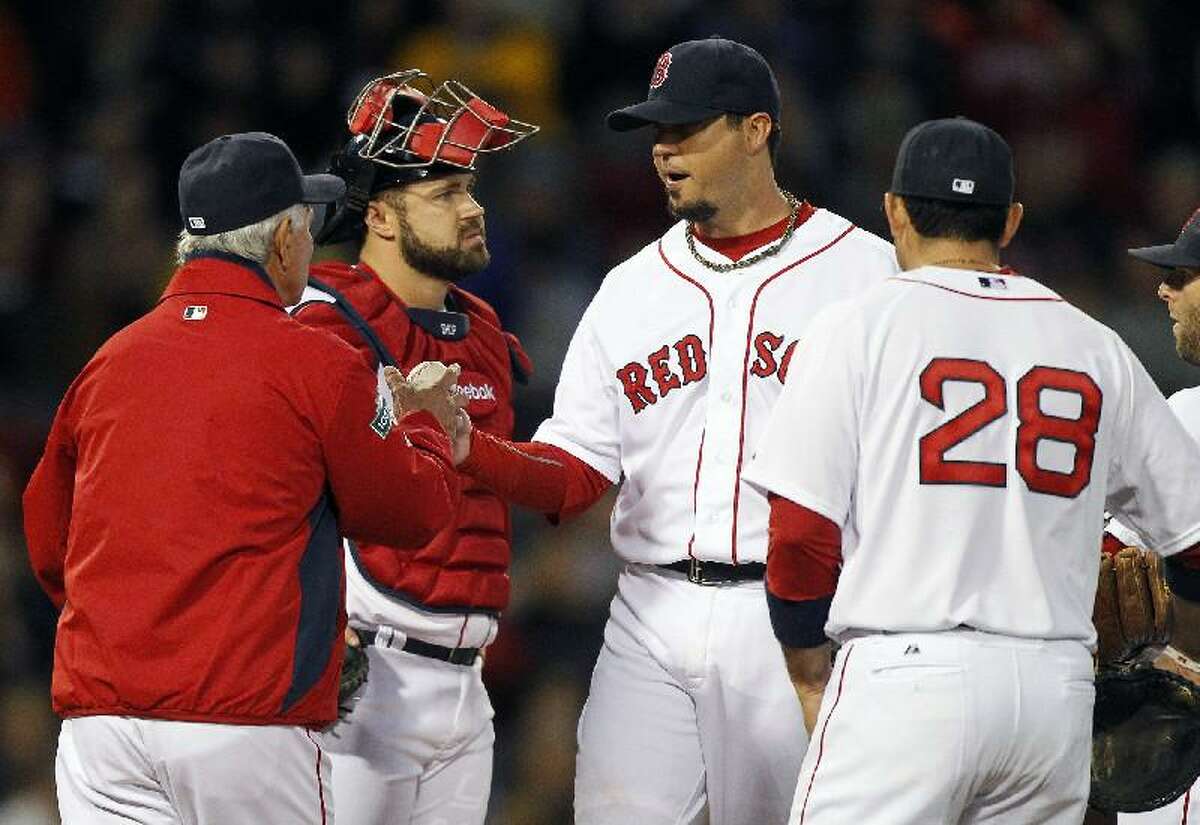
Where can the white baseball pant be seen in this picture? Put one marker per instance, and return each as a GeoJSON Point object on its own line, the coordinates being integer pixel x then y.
{"type": "Point", "coordinates": [690, 705]}
{"type": "Point", "coordinates": [951, 728]}
{"type": "Point", "coordinates": [116, 769]}
{"type": "Point", "coordinates": [416, 748]}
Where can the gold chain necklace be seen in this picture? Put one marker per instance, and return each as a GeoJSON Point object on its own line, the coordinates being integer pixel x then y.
{"type": "Point", "coordinates": [793, 214]}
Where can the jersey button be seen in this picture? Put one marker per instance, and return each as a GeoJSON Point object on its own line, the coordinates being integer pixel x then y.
{"type": "Point", "coordinates": [727, 396]}
{"type": "Point", "coordinates": [731, 303]}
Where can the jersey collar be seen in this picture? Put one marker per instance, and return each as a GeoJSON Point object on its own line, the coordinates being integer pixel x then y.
{"type": "Point", "coordinates": [449, 323]}
{"type": "Point", "coordinates": [1002, 284]}
{"type": "Point", "coordinates": [217, 273]}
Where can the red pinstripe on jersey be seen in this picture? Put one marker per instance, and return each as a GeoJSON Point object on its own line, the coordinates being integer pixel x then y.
{"type": "Point", "coordinates": [737, 482]}
{"type": "Point", "coordinates": [712, 315]}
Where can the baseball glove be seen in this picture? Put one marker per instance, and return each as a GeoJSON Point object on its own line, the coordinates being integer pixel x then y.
{"type": "Point", "coordinates": [1145, 739]}
{"type": "Point", "coordinates": [1132, 613]}
{"type": "Point", "coordinates": [355, 666]}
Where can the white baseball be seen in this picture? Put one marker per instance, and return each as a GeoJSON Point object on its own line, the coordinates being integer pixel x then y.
{"type": "Point", "coordinates": [427, 374]}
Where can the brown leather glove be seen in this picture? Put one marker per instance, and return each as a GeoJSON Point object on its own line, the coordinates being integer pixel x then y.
{"type": "Point", "coordinates": [1132, 613]}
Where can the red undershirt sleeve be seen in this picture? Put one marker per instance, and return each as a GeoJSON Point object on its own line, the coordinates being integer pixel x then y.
{"type": "Point", "coordinates": [1110, 545]}
{"type": "Point", "coordinates": [539, 476]}
{"type": "Point", "coordinates": [804, 559]}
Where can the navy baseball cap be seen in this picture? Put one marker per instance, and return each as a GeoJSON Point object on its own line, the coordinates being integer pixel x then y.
{"type": "Point", "coordinates": [1185, 252]}
{"type": "Point", "coordinates": [700, 79]}
{"type": "Point", "coordinates": [238, 180]}
{"type": "Point", "coordinates": [954, 159]}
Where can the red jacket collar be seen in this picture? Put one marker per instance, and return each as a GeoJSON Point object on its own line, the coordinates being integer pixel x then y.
{"type": "Point", "coordinates": [217, 273]}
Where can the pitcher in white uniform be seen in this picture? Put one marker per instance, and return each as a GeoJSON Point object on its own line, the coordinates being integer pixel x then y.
{"type": "Point", "coordinates": [668, 380]}
{"type": "Point", "coordinates": [940, 462]}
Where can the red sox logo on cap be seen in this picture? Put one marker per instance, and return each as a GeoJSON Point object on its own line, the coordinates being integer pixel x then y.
{"type": "Point", "coordinates": [659, 76]}
{"type": "Point", "coordinates": [1188, 223]}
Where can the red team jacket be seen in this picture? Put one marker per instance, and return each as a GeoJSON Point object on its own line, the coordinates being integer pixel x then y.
{"type": "Point", "coordinates": [465, 568]}
{"type": "Point", "coordinates": [187, 510]}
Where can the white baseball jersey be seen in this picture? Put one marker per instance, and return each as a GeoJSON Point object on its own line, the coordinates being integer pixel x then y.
{"type": "Point", "coordinates": [671, 374]}
{"type": "Point", "coordinates": [967, 431]}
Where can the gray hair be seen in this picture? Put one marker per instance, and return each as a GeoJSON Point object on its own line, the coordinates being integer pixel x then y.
{"type": "Point", "coordinates": [253, 241]}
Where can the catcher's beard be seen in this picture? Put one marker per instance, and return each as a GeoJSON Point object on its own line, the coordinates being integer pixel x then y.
{"type": "Point", "coordinates": [1187, 337]}
{"type": "Point", "coordinates": [446, 263]}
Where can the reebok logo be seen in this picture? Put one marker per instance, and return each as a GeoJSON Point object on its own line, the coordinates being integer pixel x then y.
{"type": "Point", "coordinates": [477, 392]}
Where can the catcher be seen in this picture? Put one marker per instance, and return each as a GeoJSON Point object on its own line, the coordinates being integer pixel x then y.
{"type": "Point", "coordinates": [415, 743]}
{"type": "Point", "coordinates": [1132, 605]}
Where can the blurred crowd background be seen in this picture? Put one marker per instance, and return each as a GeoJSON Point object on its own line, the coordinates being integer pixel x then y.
{"type": "Point", "coordinates": [100, 101]}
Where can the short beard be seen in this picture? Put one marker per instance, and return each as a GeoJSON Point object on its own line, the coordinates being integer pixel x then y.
{"type": "Point", "coordinates": [446, 263]}
{"type": "Point", "coordinates": [1187, 342]}
{"type": "Point", "coordinates": [696, 212]}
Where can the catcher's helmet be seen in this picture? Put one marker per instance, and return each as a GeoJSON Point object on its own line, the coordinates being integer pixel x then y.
{"type": "Point", "coordinates": [404, 129]}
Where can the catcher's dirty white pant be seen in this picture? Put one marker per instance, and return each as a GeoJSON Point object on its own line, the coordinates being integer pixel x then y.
{"type": "Point", "coordinates": [690, 704]}
{"type": "Point", "coordinates": [416, 748]}
{"type": "Point", "coordinates": [115, 769]}
{"type": "Point", "coordinates": [1183, 811]}
{"type": "Point", "coordinates": [951, 728]}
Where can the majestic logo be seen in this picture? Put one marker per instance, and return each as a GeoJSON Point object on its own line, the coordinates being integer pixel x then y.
{"type": "Point", "coordinates": [963, 186]}
{"type": "Point", "coordinates": [196, 223]}
{"type": "Point", "coordinates": [195, 313]}
{"type": "Point", "coordinates": [659, 76]}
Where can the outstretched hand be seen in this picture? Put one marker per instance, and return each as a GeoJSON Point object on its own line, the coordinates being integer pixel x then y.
{"type": "Point", "coordinates": [431, 386]}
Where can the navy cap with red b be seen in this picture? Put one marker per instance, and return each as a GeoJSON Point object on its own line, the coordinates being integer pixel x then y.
{"type": "Point", "coordinates": [238, 180]}
{"type": "Point", "coordinates": [702, 79]}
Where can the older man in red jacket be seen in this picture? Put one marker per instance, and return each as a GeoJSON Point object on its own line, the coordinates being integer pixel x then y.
{"type": "Point", "coordinates": [187, 510]}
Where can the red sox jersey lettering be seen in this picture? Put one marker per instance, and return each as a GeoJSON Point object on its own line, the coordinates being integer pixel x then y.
{"type": "Point", "coordinates": [672, 373]}
{"type": "Point", "coordinates": [684, 362]}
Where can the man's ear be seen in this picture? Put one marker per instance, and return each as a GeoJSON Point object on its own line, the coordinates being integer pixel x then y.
{"type": "Point", "coordinates": [281, 237]}
{"type": "Point", "coordinates": [756, 131]}
{"type": "Point", "coordinates": [897, 214]}
{"type": "Point", "coordinates": [1016, 211]}
{"type": "Point", "coordinates": [380, 219]}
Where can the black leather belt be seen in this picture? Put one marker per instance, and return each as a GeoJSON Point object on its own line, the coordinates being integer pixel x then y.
{"type": "Point", "coordinates": [715, 572]}
{"type": "Point", "coordinates": [453, 655]}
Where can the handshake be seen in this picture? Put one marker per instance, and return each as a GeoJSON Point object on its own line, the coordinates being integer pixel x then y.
{"type": "Point", "coordinates": [433, 386]}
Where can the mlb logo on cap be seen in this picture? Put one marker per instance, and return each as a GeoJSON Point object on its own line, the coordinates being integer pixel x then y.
{"type": "Point", "coordinates": [196, 223]}
{"type": "Point", "coordinates": [961, 186]}
{"type": "Point", "coordinates": [195, 313]}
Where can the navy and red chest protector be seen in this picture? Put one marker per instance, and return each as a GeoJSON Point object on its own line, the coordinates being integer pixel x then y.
{"type": "Point", "coordinates": [466, 567]}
